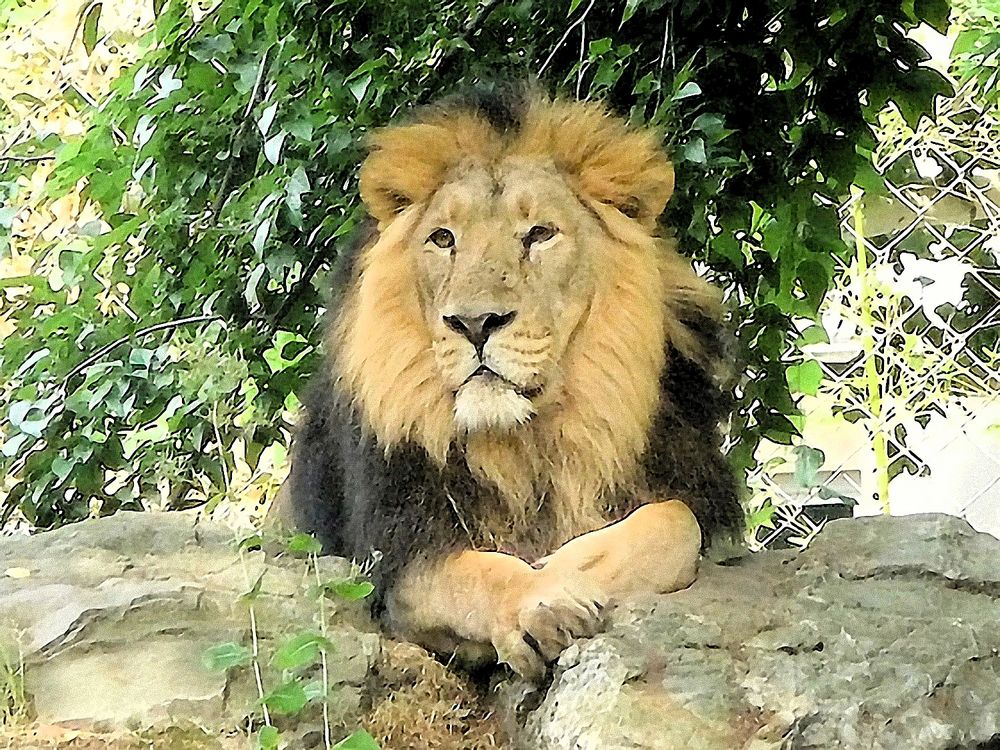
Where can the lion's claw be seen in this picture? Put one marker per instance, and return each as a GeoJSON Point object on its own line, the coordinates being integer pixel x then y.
{"type": "Point", "coordinates": [548, 620]}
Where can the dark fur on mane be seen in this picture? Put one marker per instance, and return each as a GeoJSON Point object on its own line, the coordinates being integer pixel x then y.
{"type": "Point", "coordinates": [343, 488]}
{"type": "Point", "coordinates": [357, 499]}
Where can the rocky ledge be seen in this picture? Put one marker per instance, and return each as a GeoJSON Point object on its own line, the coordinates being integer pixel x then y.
{"type": "Point", "coordinates": [884, 634]}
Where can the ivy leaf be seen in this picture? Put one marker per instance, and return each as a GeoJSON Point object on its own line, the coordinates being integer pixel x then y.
{"type": "Point", "coordinates": [808, 462]}
{"type": "Point", "coordinates": [305, 544]}
{"type": "Point", "coordinates": [804, 377]}
{"type": "Point", "coordinates": [288, 699]}
{"type": "Point", "coordinates": [349, 590]}
{"type": "Point", "coordinates": [268, 738]}
{"type": "Point", "coordinates": [694, 151]}
{"type": "Point", "coordinates": [630, 8]}
{"type": "Point", "coordinates": [686, 91]}
{"type": "Point", "coordinates": [763, 516]}
{"type": "Point", "coordinates": [272, 147]}
{"type": "Point", "coordinates": [359, 87]}
{"type": "Point", "coordinates": [297, 184]}
{"type": "Point", "coordinates": [360, 740]}
{"type": "Point", "coordinates": [300, 651]}
{"type": "Point", "coordinates": [226, 656]}
{"type": "Point", "coordinates": [90, 27]}
{"type": "Point", "coordinates": [266, 118]}
{"type": "Point", "coordinates": [250, 596]}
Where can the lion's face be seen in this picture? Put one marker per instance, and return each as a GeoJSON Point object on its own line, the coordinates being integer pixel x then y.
{"type": "Point", "coordinates": [504, 271]}
{"type": "Point", "coordinates": [516, 300]}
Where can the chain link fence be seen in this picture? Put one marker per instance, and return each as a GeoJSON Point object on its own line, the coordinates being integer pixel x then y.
{"type": "Point", "coordinates": [901, 378]}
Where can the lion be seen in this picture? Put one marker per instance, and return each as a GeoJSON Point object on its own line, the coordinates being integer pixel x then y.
{"type": "Point", "coordinates": [518, 415]}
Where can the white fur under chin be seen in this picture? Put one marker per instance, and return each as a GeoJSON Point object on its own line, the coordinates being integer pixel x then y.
{"type": "Point", "coordinates": [490, 405]}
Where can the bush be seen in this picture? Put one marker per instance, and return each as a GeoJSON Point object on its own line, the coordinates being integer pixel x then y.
{"type": "Point", "coordinates": [222, 169]}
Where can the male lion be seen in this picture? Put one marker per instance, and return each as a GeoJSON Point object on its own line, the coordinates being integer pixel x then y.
{"type": "Point", "coordinates": [517, 409]}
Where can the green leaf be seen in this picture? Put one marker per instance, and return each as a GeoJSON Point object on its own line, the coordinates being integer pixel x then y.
{"type": "Point", "coordinates": [359, 87]}
{"type": "Point", "coordinates": [630, 8]}
{"type": "Point", "coordinates": [226, 656]}
{"type": "Point", "coordinates": [686, 91]}
{"type": "Point", "coordinates": [808, 462]}
{"type": "Point", "coordinates": [360, 740]}
{"type": "Point", "coordinates": [935, 13]}
{"type": "Point", "coordinates": [252, 542]}
{"type": "Point", "coordinates": [305, 544]}
{"type": "Point", "coordinates": [275, 356]}
{"type": "Point", "coordinates": [599, 47]}
{"type": "Point", "coordinates": [268, 738]}
{"type": "Point", "coordinates": [208, 48]}
{"type": "Point", "coordinates": [288, 699]}
{"type": "Point", "coordinates": [694, 151]}
{"type": "Point", "coordinates": [90, 24]}
{"type": "Point", "coordinates": [272, 147]}
{"type": "Point", "coordinates": [250, 596]}
{"type": "Point", "coordinates": [805, 377]}
{"type": "Point", "coordinates": [260, 236]}
{"type": "Point", "coordinates": [763, 516]}
{"type": "Point", "coordinates": [349, 590]}
{"type": "Point", "coordinates": [300, 651]}
{"type": "Point", "coordinates": [813, 334]}
{"type": "Point", "coordinates": [297, 184]}
{"type": "Point", "coordinates": [266, 118]}
{"type": "Point", "coordinates": [315, 691]}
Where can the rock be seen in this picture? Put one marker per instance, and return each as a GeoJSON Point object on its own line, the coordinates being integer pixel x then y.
{"type": "Point", "coordinates": [112, 619]}
{"type": "Point", "coordinates": [884, 634]}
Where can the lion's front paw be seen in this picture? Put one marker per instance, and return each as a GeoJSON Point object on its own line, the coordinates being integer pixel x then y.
{"type": "Point", "coordinates": [547, 619]}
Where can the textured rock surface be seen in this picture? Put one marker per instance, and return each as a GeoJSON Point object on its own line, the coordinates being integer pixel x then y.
{"type": "Point", "coordinates": [112, 618]}
{"type": "Point", "coordinates": [884, 634]}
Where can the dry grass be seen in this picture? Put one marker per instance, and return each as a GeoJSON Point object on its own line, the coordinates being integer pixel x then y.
{"type": "Point", "coordinates": [420, 703]}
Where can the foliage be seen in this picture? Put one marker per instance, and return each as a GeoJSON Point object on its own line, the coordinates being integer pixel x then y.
{"type": "Point", "coordinates": [182, 320]}
{"type": "Point", "coordinates": [299, 661]}
{"type": "Point", "coordinates": [13, 699]}
{"type": "Point", "coordinates": [976, 54]}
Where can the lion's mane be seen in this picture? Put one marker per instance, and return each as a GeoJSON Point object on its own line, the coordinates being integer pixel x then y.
{"type": "Point", "coordinates": [377, 463]}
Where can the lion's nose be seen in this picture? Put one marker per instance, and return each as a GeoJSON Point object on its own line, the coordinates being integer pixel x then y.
{"type": "Point", "coordinates": [478, 328]}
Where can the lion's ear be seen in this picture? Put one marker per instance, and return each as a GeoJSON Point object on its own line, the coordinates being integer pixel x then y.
{"type": "Point", "coordinates": [611, 162]}
{"type": "Point", "coordinates": [408, 163]}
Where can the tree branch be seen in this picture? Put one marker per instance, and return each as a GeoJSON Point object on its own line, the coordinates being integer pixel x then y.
{"type": "Point", "coordinates": [108, 348]}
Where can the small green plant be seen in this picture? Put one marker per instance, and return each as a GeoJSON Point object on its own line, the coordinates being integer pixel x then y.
{"type": "Point", "coordinates": [13, 701]}
{"type": "Point", "coordinates": [296, 659]}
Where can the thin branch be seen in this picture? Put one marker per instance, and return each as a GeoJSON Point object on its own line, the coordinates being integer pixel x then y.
{"type": "Point", "coordinates": [663, 61]}
{"type": "Point", "coordinates": [40, 157]}
{"type": "Point", "coordinates": [315, 263]}
{"type": "Point", "coordinates": [477, 21]}
{"type": "Point", "coordinates": [470, 29]}
{"type": "Point", "coordinates": [107, 349]}
{"type": "Point", "coordinates": [221, 196]}
{"type": "Point", "coordinates": [565, 36]}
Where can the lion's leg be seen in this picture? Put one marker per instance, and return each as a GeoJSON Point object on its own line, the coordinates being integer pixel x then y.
{"type": "Point", "coordinates": [654, 550]}
{"type": "Point", "coordinates": [486, 598]}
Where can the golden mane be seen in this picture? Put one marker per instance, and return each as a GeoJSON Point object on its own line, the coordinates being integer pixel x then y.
{"type": "Point", "coordinates": [589, 445]}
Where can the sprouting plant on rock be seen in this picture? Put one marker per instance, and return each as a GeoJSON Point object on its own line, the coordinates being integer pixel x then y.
{"type": "Point", "coordinates": [298, 663]}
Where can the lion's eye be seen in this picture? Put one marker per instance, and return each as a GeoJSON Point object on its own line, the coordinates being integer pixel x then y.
{"type": "Point", "coordinates": [537, 234]}
{"type": "Point", "coordinates": [442, 238]}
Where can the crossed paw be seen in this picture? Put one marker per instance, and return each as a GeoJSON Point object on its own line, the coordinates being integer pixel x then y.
{"type": "Point", "coordinates": [556, 610]}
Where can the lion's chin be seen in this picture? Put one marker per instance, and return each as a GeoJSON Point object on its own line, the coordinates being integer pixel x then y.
{"type": "Point", "coordinates": [488, 404]}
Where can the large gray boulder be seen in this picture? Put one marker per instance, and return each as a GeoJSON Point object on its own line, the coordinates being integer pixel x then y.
{"type": "Point", "coordinates": [884, 634]}
{"type": "Point", "coordinates": [112, 620]}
